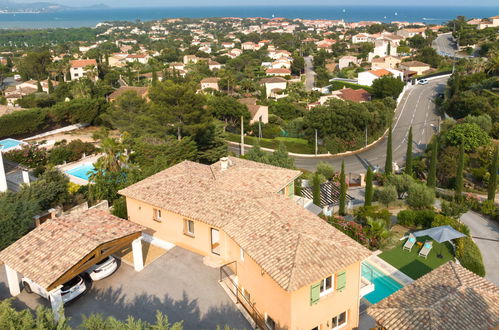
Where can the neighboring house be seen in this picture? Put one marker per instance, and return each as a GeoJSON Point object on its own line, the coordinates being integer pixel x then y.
{"type": "Point", "coordinates": [273, 85]}
{"type": "Point", "coordinates": [177, 65]}
{"type": "Point", "coordinates": [361, 37]}
{"type": "Point", "coordinates": [83, 68]}
{"type": "Point", "coordinates": [13, 175]}
{"type": "Point", "coordinates": [415, 66]}
{"type": "Point", "coordinates": [139, 58]}
{"type": "Point", "coordinates": [249, 46]}
{"type": "Point", "coordinates": [190, 59]}
{"type": "Point", "coordinates": [259, 113]}
{"type": "Point", "coordinates": [117, 60]}
{"type": "Point", "coordinates": [345, 94]}
{"type": "Point", "coordinates": [208, 83]}
{"type": "Point", "coordinates": [383, 47]}
{"type": "Point", "coordinates": [409, 33]}
{"type": "Point", "coordinates": [366, 78]}
{"type": "Point", "coordinates": [228, 45]}
{"type": "Point", "coordinates": [385, 62]}
{"type": "Point", "coordinates": [345, 61]}
{"type": "Point", "coordinates": [214, 65]}
{"type": "Point", "coordinates": [279, 72]}
{"type": "Point", "coordinates": [447, 298]}
{"type": "Point", "coordinates": [485, 23]}
{"type": "Point", "coordinates": [33, 85]}
{"type": "Point", "coordinates": [291, 268]}
{"type": "Point", "coordinates": [140, 91]}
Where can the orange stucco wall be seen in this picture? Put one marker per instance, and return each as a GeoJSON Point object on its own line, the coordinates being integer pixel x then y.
{"type": "Point", "coordinates": [290, 310]}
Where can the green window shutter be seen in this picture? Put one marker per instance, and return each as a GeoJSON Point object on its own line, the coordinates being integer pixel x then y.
{"type": "Point", "coordinates": [341, 281]}
{"type": "Point", "coordinates": [315, 292]}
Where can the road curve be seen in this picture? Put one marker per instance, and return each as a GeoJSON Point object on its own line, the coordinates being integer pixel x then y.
{"type": "Point", "coordinates": [416, 109]}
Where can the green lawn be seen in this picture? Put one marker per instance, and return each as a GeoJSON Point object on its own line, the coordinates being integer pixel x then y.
{"type": "Point", "coordinates": [411, 264]}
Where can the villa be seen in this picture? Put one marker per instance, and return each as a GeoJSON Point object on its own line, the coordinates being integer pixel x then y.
{"type": "Point", "coordinates": [290, 268]}
{"type": "Point", "coordinates": [83, 68]}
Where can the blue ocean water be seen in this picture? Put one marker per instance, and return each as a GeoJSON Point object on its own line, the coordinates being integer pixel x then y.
{"type": "Point", "coordinates": [79, 18]}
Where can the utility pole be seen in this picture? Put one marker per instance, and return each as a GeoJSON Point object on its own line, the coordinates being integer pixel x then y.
{"type": "Point", "coordinates": [259, 129]}
{"type": "Point", "coordinates": [366, 136]}
{"type": "Point", "coordinates": [316, 142]}
{"type": "Point", "coordinates": [242, 136]}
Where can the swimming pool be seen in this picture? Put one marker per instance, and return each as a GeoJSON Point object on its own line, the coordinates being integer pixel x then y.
{"type": "Point", "coordinates": [82, 171]}
{"type": "Point", "coordinates": [384, 285]}
{"type": "Point", "coordinates": [7, 144]}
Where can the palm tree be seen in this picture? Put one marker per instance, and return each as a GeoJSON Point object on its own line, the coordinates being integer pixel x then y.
{"type": "Point", "coordinates": [115, 157]}
{"type": "Point", "coordinates": [376, 229]}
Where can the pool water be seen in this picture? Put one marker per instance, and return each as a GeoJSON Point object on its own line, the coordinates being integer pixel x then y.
{"type": "Point", "coordinates": [82, 171]}
{"type": "Point", "coordinates": [6, 144]}
{"type": "Point", "coordinates": [384, 285]}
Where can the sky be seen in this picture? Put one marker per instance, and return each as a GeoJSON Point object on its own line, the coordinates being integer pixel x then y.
{"type": "Point", "coordinates": [162, 3]}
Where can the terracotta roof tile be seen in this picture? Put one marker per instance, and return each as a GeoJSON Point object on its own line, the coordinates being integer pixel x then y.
{"type": "Point", "coordinates": [83, 63]}
{"type": "Point", "coordinates": [47, 252]}
{"type": "Point", "coordinates": [291, 244]}
{"type": "Point", "coordinates": [449, 297]}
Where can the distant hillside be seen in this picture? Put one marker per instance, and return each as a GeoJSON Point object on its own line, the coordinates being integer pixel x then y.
{"type": "Point", "coordinates": [7, 6]}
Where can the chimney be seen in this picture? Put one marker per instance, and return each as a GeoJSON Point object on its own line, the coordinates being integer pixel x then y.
{"type": "Point", "coordinates": [26, 177]}
{"type": "Point", "coordinates": [3, 177]}
{"type": "Point", "coordinates": [224, 163]}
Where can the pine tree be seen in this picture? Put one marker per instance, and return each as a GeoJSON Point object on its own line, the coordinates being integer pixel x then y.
{"type": "Point", "coordinates": [491, 195]}
{"type": "Point", "coordinates": [50, 86]}
{"type": "Point", "coordinates": [458, 193]}
{"type": "Point", "coordinates": [316, 190]}
{"type": "Point", "coordinates": [389, 157]}
{"type": "Point", "coordinates": [154, 77]}
{"type": "Point", "coordinates": [432, 170]}
{"type": "Point", "coordinates": [343, 190]}
{"type": "Point", "coordinates": [408, 155]}
{"type": "Point", "coordinates": [369, 188]}
{"type": "Point", "coordinates": [39, 88]}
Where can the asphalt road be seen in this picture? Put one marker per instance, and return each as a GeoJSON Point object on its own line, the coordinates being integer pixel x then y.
{"type": "Point", "coordinates": [485, 233]}
{"type": "Point", "coordinates": [309, 73]}
{"type": "Point", "coordinates": [445, 44]}
{"type": "Point", "coordinates": [416, 109]}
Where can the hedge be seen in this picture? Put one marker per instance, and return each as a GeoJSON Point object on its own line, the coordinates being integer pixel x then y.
{"type": "Point", "coordinates": [423, 218]}
{"type": "Point", "coordinates": [469, 255]}
{"type": "Point", "coordinates": [336, 85]}
{"type": "Point", "coordinates": [23, 121]}
{"type": "Point", "coordinates": [31, 121]}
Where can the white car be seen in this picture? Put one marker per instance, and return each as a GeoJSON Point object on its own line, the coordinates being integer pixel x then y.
{"type": "Point", "coordinates": [102, 269]}
{"type": "Point", "coordinates": [422, 82]}
{"type": "Point", "coordinates": [69, 291]}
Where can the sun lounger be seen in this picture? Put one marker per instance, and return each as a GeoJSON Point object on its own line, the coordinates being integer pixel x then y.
{"type": "Point", "coordinates": [409, 243]}
{"type": "Point", "coordinates": [425, 250]}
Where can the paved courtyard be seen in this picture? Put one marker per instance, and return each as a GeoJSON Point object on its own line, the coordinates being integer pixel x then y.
{"type": "Point", "coordinates": [178, 284]}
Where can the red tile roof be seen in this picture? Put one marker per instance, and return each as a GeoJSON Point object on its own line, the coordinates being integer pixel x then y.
{"type": "Point", "coordinates": [83, 63]}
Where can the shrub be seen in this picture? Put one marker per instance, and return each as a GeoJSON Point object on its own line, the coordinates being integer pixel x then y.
{"type": "Point", "coordinates": [420, 196]}
{"type": "Point", "coordinates": [29, 155]}
{"type": "Point", "coordinates": [469, 255]}
{"type": "Point", "coordinates": [386, 195]}
{"type": "Point", "coordinates": [401, 182]}
{"type": "Point", "coordinates": [22, 122]}
{"type": "Point", "coordinates": [454, 209]}
{"type": "Point", "coordinates": [416, 218]}
{"type": "Point", "coordinates": [325, 169]}
{"type": "Point", "coordinates": [70, 152]}
{"type": "Point", "coordinates": [374, 212]}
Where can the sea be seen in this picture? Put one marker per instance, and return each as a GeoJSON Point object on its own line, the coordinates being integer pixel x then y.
{"type": "Point", "coordinates": [90, 17]}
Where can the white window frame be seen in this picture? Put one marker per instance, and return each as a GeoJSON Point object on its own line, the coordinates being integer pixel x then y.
{"type": "Point", "coordinates": [341, 325]}
{"type": "Point", "coordinates": [241, 254]}
{"type": "Point", "coordinates": [187, 229]}
{"type": "Point", "coordinates": [267, 317]}
{"type": "Point", "coordinates": [327, 291]}
{"type": "Point", "coordinates": [157, 215]}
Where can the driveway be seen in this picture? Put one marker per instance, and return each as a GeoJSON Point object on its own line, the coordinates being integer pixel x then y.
{"type": "Point", "coordinates": [178, 284]}
{"type": "Point", "coordinates": [485, 233]}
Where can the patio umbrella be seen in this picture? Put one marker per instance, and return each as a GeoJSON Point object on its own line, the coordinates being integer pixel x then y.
{"type": "Point", "coordinates": [440, 234]}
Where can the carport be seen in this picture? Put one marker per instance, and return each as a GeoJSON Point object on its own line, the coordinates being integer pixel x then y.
{"type": "Point", "coordinates": [61, 248]}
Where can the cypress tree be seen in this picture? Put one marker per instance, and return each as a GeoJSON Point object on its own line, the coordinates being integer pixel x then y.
{"type": "Point", "coordinates": [408, 155]}
{"type": "Point", "coordinates": [369, 187]}
{"type": "Point", "coordinates": [491, 195]}
{"type": "Point", "coordinates": [154, 77]}
{"type": "Point", "coordinates": [432, 170]}
{"type": "Point", "coordinates": [50, 86]}
{"type": "Point", "coordinates": [458, 193]}
{"type": "Point", "coordinates": [343, 190]}
{"type": "Point", "coordinates": [389, 156]}
{"type": "Point", "coordinates": [316, 190]}
{"type": "Point", "coordinates": [39, 88]}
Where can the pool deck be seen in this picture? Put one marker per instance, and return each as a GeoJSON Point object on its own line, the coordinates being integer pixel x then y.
{"type": "Point", "coordinates": [66, 167]}
{"type": "Point", "coordinates": [389, 270]}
